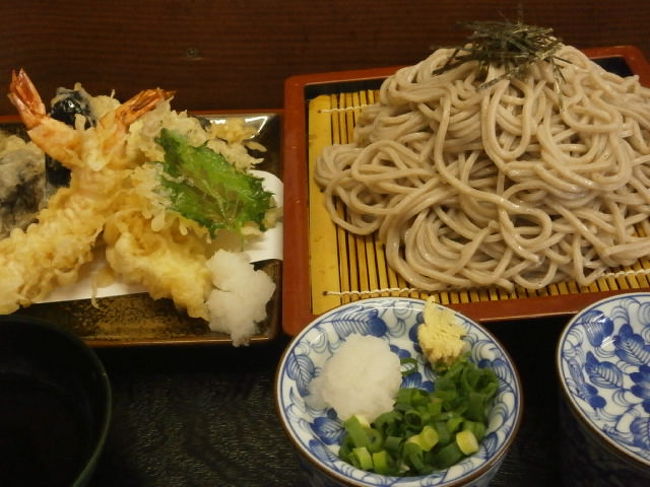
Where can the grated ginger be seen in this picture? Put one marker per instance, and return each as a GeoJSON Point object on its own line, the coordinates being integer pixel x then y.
{"type": "Point", "coordinates": [440, 336]}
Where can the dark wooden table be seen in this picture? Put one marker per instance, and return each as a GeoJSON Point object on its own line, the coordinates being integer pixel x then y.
{"type": "Point", "coordinates": [205, 416]}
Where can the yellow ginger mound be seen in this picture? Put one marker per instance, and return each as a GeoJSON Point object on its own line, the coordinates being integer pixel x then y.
{"type": "Point", "coordinates": [440, 336]}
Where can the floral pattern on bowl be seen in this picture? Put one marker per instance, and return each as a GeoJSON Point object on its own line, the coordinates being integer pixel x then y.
{"type": "Point", "coordinates": [317, 433]}
{"type": "Point", "coordinates": [604, 366]}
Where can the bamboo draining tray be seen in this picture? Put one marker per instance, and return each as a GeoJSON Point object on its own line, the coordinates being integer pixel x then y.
{"type": "Point", "coordinates": [326, 266]}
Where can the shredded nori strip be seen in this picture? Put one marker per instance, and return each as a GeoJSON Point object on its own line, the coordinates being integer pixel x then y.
{"type": "Point", "coordinates": [513, 46]}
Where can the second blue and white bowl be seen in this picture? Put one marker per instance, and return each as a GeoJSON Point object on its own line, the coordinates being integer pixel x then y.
{"type": "Point", "coordinates": [603, 361]}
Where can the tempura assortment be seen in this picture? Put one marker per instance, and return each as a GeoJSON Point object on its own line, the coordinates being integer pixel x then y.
{"type": "Point", "coordinates": [160, 190]}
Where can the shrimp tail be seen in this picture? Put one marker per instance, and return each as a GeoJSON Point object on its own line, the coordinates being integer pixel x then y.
{"type": "Point", "coordinates": [141, 103]}
{"type": "Point", "coordinates": [24, 96]}
{"type": "Point", "coordinates": [55, 138]}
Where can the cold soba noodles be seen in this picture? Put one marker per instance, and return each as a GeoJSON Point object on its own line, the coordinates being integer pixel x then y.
{"type": "Point", "coordinates": [475, 177]}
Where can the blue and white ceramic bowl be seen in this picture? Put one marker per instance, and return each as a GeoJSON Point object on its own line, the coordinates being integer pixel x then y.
{"type": "Point", "coordinates": [603, 360]}
{"type": "Point", "coordinates": [316, 433]}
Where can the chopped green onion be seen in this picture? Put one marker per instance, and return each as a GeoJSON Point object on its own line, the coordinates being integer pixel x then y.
{"type": "Point", "coordinates": [425, 431]}
{"type": "Point", "coordinates": [362, 458]}
{"type": "Point", "coordinates": [444, 435]}
{"type": "Point", "coordinates": [357, 431]}
{"type": "Point", "coordinates": [425, 439]}
{"type": "Point", "coordinates": [413, 418]}
{"type": "Point", "coordinates": [375, 440]}
{"type": "Point", "coordinates": [393, 443]}
{"type": "Point", "coordinates": [447, 456]}
{"type": "Point", "coordinates": [387, 421]}
{"type": "Point", "coordinates": [476, 406]}
{"type": "Point", "coordinates": [345, 452]}
{"type": "Point", "coordinates": [414, 456]}
{"type": "Point", "coordinates": [476, 427]}
{"type": "Point", "coordinates": [467, 442]}
{"type": "Point", "coordinates": [435, 406]}
{"type": "Point", "coordinates": [455, 423]}
{"type": "Point", "coordinates": [381, 462]}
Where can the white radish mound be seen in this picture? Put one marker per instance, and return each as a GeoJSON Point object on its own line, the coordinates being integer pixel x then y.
{"type": "Point", "coordinates": [361, 378]}
{"type": "Point", "coordinates": [239, 299]}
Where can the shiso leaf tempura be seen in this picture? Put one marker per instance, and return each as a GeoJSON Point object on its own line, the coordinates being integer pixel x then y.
{"type": "Point", "coordinates": [206, 188]}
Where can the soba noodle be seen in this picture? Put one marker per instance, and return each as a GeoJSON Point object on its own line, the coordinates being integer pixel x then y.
{"type": "Point", "coordinates": [526, 182]}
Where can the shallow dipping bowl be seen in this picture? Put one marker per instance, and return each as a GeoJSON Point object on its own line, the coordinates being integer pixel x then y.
{"type": "Point", "coordinates": [603, 362]}
{"type": "Point", "coordinates": [55, 405]}
{"type": "Point", "coordinates": [316, 433]}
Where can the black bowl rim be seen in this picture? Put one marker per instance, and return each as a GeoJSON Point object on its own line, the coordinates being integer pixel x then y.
{"type": "Point", "coordinates": [480, 472]}
{"type": "Point", "coordinates": [90, 463]}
